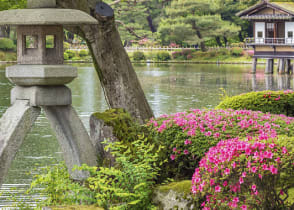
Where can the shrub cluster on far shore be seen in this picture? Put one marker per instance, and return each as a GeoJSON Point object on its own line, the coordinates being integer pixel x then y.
{"type": "Point", "coordinates": [217, 54]}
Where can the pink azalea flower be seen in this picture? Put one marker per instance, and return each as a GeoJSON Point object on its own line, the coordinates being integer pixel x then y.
{"type": "Point", "coordinates": [284, 150]}
{"type": "Point", "coordinates": [217, 188]}
{"type": "Point", "coordinates": [187, 142]}
{"type": "Point", "coordinates": [227, 171]}
{"type": "Point", "coordinates": [253, 169]}
{"type": "Point", "coordinates": [253, 187]}
{"type": "Point", "coordinates": [273, 169]}
{"type": "Point", "coordinates": [172, 157]}
{"type": "Point", "coordinates": [244, 207]}
{"type": "Point", "coordinates": [186, 152]}
{"type": "Point", "coordinates": [236, 200]}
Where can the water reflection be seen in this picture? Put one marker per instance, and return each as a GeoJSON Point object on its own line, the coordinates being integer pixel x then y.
{"type": "Point", "coordinates": [272, 82]}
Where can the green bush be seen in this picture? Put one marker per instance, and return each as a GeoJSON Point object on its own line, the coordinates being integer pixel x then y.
{"type": "Point", "coordinates": [65, 56]}
{"type": "Point", "coordinates": [83, 53]}
{"type": "Point", "coordinates": [127, 186]}
{"type": "Point", "coordinates": [7, 44]}
{"type": "Point", "coordinates": [275, 102]}
{"type": "Point", "coordinates": [163, 56]}
{"type": "Point", "coordinates": [237, 51]}
{"type": "Point", "coordinates": [223, 51]}
{"type": "Point", "coordinates": [71, 53]}
{"type": "Point", "coordinates": [138, 56]}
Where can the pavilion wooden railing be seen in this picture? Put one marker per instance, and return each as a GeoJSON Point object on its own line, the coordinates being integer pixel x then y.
{"type": "Point", "coordinates": [269, 41]}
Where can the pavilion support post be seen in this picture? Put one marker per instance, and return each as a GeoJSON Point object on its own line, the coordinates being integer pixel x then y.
{"type": "Point", "coordinates": [269, 68]}
{"type": "Point", "coordinates": [281, 66]}
{"type": "Point", "coordinates": [288, 66]}
{"type": "Point", "coordinates": [254, 82]}
{"type": "Point", "coordinates": [254, 64]}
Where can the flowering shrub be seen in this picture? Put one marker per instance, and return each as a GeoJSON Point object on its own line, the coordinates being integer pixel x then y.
{"type": "Point", "coordinates": [236, 51]}
{"type": "Point", "coordinates": [174, 45]}
{"type": "Point", "coordinates": [275, 102]}
{"type": "Point", "coordinates": [254, 173]}
{"type": "Point", "coordinates": [177, 55]}
{"type": "Point", "coordinates": [188, 135]}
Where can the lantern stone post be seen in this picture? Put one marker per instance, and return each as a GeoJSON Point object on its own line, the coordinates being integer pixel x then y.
{"type": "Point", "coordinates": [40, 78]}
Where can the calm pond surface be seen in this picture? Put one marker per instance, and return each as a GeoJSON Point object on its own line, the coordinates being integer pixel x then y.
{"type": "Point", "coordinates": [169, 88]}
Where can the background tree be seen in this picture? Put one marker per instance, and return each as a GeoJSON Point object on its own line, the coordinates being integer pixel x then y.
{"type": "Point", "coordinates": [9, 4]}
{"type": "Point", "coordinates": [137, 20]}
{"type": "Point", "coordinates": [193, 22]}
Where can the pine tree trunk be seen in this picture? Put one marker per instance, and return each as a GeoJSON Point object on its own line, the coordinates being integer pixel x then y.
{"type": "Point", "coordinates": [218, 41]}
{"type": "Point", "coordinates": [114, 68]}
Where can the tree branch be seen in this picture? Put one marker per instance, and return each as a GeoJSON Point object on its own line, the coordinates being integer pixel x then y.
{"type": "Point", "coordinates": [130, 30]}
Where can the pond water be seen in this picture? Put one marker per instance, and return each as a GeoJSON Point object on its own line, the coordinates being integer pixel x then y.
{"type": "Point", "coordinates": [169, 88]}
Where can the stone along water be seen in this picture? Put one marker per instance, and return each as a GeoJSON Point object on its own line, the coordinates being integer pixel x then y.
{"type": "Point", "coordinates": [168, 88]}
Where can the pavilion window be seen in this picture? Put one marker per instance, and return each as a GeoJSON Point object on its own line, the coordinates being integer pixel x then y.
{"type": "Point", "coordinates": [50, 41]}
{"type": "Point", "coordinates": [259, 34]}
{"type": "Point", "coordinates": [270, 30]}
{"type": "Point", "coordinates": [31, 42]}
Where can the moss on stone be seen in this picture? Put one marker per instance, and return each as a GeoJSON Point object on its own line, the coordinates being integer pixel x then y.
{"type": "Point", "coordinates": [179, 187]}
{"type": "Point", "coordinates": [76, 208]}
{"type": "Point", "coordinates": [124, 127]}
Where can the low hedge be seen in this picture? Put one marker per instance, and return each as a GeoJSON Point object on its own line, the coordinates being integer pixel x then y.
{"type": "Point", "coordinates": [275, 102]}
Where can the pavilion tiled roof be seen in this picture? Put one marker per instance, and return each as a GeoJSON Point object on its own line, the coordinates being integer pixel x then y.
{"type": "Point", "coordinates": [287, 7]}
{"type": "Point", "coordinates": [268, 17]}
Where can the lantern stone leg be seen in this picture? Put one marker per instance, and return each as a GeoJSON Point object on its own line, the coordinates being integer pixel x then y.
{"type": "Point", "coordinates": [73, 138]}
{"type": "Point", "coordinates": [14, 126]}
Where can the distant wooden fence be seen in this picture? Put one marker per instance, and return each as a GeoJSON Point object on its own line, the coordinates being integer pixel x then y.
{"type": "Point", "coordinates": [158, 48]}
{"type": "Point", "coordinates": [166, 48]}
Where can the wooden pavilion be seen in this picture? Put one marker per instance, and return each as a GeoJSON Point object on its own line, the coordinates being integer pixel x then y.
{"type": "Point", "coordinates": [273, 33]}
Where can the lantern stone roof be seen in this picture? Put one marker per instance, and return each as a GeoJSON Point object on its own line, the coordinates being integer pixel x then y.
{"type": "Point", "coordinates": [50, 16]}
{"type": "Point", "coordinates": [284, 11]}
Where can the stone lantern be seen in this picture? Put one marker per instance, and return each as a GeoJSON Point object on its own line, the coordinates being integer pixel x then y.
{"type": "Point", "coordinates": [40, 79]}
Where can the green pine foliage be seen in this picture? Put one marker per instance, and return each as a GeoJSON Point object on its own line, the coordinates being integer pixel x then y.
{"type": "Point", "coordinates": [194, 22]}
